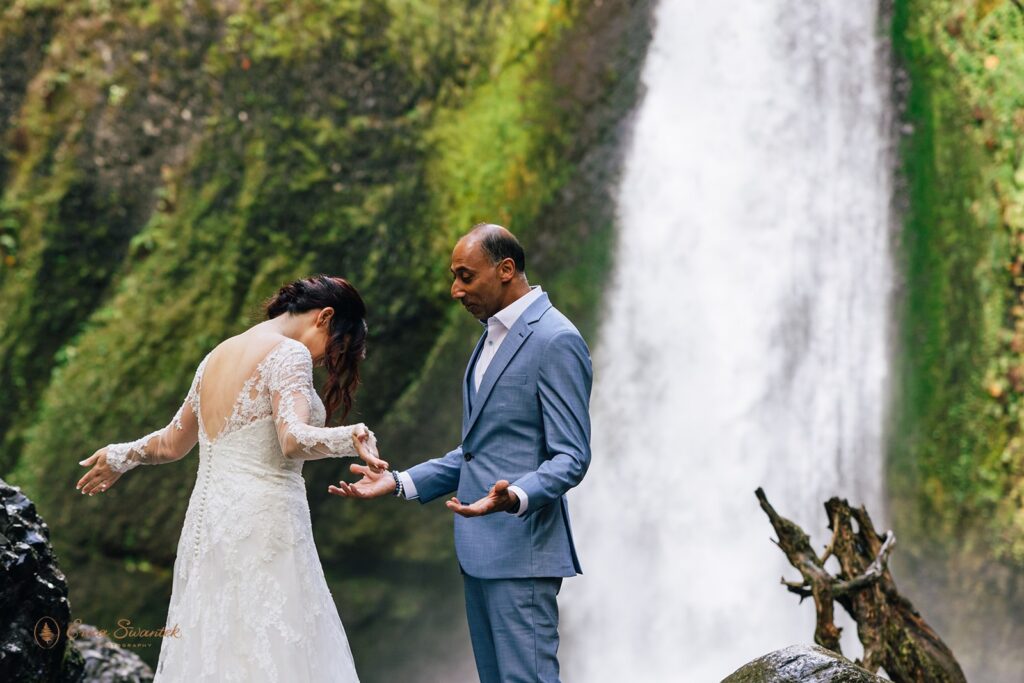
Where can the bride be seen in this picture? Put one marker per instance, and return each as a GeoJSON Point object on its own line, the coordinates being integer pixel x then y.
{"type": "Point", "coordinates": [249, 596]}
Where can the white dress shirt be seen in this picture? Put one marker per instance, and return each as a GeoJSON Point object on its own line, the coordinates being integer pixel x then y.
{"type": "Point", "coordinates": [498, 326]}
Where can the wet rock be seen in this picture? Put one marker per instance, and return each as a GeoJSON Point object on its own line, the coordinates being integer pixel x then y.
{"type": "Point", "coordinates": [33, 597]}
{"type": "Point", "coordinates": [35, 612]}
{"type": "Point", "coordinates": [802, 664]}
{"type": "Point", "coordinates": [106, 661]}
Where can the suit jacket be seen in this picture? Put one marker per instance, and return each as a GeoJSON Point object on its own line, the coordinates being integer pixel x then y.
{"type": "Point", "coordinates": [529, 423]}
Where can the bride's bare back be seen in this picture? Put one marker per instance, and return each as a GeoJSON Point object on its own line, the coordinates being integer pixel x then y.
{"type": "Point", "coordinates": [231, 368]}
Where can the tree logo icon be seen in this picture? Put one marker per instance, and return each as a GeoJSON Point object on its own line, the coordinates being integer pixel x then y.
{"type": "Point", "coordinates": [47, 632]}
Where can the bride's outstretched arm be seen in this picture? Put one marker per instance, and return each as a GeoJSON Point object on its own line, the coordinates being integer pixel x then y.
{"type": "Point", "coordinates": [291, 388]}
{"type": "Point", "coordinates": [168, 444]}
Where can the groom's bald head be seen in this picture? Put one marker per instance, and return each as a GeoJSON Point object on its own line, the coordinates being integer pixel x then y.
{"type": "Point", "coordinates": [488, 270]}
{"type": "Point", "coordinates": [499, 244]}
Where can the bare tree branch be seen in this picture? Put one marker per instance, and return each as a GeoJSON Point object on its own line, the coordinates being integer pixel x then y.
{"type": "Point", "coordinates": [831, 543]}
{"type": "Point", "coordinates": [893, 633]}
{"type": "Point", "coordinates": [872, 573]}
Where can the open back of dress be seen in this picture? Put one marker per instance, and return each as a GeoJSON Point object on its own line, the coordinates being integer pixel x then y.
{"type": "Point", "coordinates": [230, 379]}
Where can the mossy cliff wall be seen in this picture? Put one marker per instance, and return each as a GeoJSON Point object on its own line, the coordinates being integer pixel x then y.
{"type": "Point", "coordinates": [166, 165]}
{"type": "Point", "coordinates": [956, 475]}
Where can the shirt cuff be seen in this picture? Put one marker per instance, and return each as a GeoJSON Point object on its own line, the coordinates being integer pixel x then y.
{"type": "Point", "coordinates": [524, 500]}
{"type": "Point", "coordinates": [408, 486]}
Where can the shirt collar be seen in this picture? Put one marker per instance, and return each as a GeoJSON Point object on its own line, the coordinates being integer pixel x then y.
{"type": "Point", "coordinates": [511, 313]}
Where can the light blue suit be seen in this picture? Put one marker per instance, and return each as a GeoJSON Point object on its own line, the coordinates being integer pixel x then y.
{"type": "Point", "coordinates": [529, 423]}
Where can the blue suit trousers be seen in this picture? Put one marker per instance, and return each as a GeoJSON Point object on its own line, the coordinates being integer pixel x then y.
{"type": "Point", "coordinates": [513, 624]}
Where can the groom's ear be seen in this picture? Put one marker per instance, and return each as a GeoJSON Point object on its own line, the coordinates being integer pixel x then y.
{"type": "Point", "coordinates": [507, 270]}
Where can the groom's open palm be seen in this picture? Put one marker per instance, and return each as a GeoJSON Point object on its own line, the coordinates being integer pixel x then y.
{"type": "Point", "coordinates": [498, 499]}
{"type": "Point", "coordinates": [374, 483]}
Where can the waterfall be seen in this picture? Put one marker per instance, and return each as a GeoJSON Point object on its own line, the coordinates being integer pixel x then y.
{"type": "Point", "coordinates": [744, 340]}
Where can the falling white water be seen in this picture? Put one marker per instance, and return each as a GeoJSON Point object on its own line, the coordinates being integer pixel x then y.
{"type": "Point", "coordinates": [744, 341]}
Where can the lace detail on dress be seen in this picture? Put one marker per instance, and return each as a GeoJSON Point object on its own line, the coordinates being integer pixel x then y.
{"type": "Point", "coordinates": [298, 411]}
{"type": "Point", "coordinates": [252, 403]}
{"type": "Point", "coordinates": [164, 445]}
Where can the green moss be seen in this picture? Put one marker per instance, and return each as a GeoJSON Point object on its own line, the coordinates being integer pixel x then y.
{"type": "Point", "coordinates": [956, 470]}
{"type": "Point", "coordinates": [963, 324]}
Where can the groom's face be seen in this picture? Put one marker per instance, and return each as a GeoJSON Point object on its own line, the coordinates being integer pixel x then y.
{"type": "Point", "coordinates": [476, 282]}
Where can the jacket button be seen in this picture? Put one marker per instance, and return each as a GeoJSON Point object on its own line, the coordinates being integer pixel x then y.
{"type": "Point", "coordinates": [467, 456]}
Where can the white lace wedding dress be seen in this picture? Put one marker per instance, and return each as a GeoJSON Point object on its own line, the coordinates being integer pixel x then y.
{"type": "Point", "coordinates": [249, 596]}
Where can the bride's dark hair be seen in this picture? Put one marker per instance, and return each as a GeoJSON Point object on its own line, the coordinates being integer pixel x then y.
{"type": "Point", "coordinates": [346, 346]}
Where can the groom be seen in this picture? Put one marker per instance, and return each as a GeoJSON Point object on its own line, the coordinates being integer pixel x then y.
{"type": "Point", "coordinates": [525, 443]}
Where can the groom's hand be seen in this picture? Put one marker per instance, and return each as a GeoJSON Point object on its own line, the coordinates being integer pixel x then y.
{"type": "Point", "coordinates": [498, 499]}
{"type": "Point", "coordinates": [374, 484]}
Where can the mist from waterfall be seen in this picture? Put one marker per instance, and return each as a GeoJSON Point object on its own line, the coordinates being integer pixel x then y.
{"type": "Point", "coordinates": [745, 340]}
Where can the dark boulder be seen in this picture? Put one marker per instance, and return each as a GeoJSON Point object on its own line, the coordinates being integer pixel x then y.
{"type": "Point", "coordinates": [35, 612]}
{"type": "Point", "coordinates": [33, 597]}
{"type": "Point", "coordinates": [802, 664]}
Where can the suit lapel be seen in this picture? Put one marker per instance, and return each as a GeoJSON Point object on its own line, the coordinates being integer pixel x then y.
{"type": "Point", "coordinates": [468, 388]}
{"type": "Point", "coordinates": [515, 338]}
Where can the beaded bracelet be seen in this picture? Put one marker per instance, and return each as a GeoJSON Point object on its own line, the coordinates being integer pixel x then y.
{"type": "Point", "coordinates": [399, 488]}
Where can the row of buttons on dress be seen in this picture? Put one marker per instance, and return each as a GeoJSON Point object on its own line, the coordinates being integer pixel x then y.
{"type": "Point", "coordinates": [204, 475]}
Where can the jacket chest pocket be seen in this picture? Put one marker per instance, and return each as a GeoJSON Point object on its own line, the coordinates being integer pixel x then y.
{"type": "Point", "coordinates": [512, 394]}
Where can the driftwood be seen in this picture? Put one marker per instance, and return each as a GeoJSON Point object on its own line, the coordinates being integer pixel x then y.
{"type": "Point", "coordinates": [895, 636]}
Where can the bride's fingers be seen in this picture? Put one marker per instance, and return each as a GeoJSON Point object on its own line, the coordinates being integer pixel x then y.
{"type": "Point", "coordinates": [97, 485]}
{"type": "Point", "coordinates": [90, 461]}
{"type": "Point", "coordinates": [369, 469]}
{"type": "Point", "coordinates": [371, 458]}
{"type": "Point", "coordinates": [359, 435]}
{"type": "Point", "coordinates": [85, 480]}
{"type": "Point", "coordinates": [365, 444]}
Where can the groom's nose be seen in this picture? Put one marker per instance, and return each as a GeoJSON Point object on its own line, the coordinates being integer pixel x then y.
{"type": "Point", "coordinates": [457, 292]}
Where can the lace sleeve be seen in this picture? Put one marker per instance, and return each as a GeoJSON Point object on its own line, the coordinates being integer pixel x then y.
{"type": "Point", "coordinates": [290, 380]}
{"type": "Point", "coordinates": [171, 443]}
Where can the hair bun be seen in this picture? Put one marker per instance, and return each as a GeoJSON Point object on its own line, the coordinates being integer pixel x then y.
{"type": "Point", "coordinates": [346, 345]}
{"type": "Point", "coordinates": [289, 292]}
{"type": "Point", "coordinates": [282, 302]}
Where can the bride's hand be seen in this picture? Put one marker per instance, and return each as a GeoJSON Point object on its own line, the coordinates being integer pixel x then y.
{"type": "Point", "coordinates": [366, 447]}
{"type": "Point", "coordinates": [100, 477]}
{"type": "Point", "coordinates": [374, 484]}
